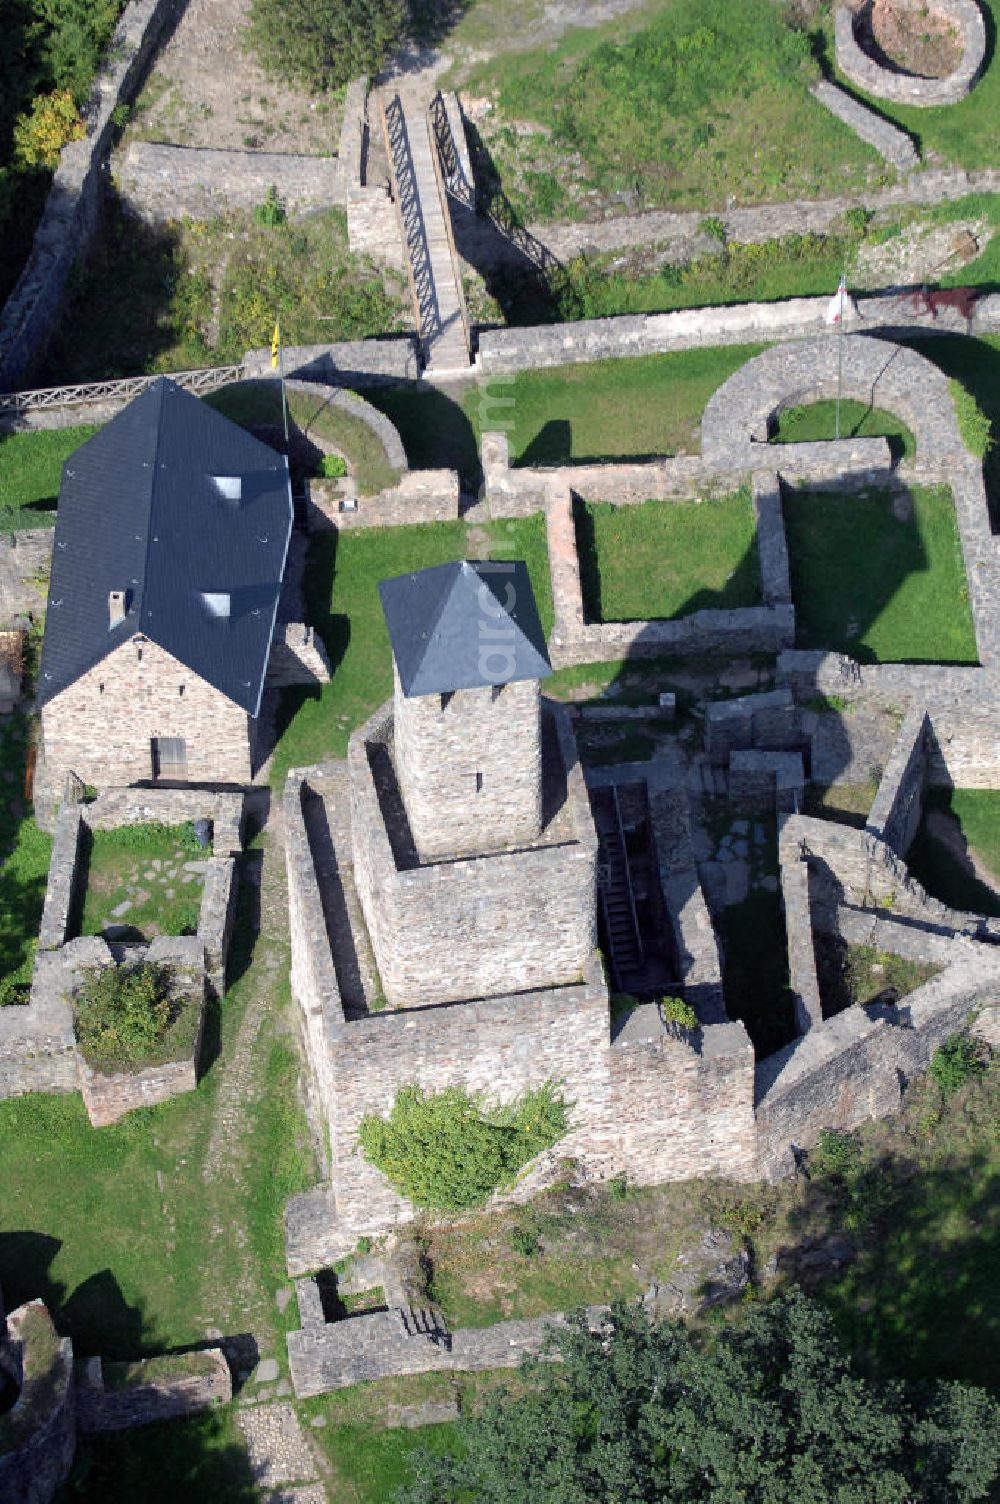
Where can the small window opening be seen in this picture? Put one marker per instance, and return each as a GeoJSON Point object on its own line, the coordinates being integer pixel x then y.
{"type": "Point", "coordinates": [140, 654]}
{"type": "Point", "coordinates": [479, 783]}
{"type": "Point", "coordinates": [447, 698]}
{"type": "Point", "coordinates": [100, 689]}
{"type": "Point", "coordinates": [180, 689]}
{"type": "Point", "coordinates": [495, 693]}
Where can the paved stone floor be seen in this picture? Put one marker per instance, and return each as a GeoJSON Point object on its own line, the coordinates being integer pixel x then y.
{"type": "Point", "coordinates": [279, 1452]}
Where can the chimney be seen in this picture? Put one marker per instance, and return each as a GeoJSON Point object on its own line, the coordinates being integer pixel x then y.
{"type": "Point", "coordinates": [116, 608]}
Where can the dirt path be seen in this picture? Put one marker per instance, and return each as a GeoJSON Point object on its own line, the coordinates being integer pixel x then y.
{"type": "Point", "coordinates": [205, 89]}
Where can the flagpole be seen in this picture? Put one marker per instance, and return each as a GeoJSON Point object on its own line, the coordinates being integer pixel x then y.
{"type": "Point", "coordinates": [840, 348]}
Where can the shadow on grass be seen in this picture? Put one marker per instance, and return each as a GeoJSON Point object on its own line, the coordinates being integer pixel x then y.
{"type": "Point", "coordinates": [199, 1458]}
{"type": "Point", "coordinates": [434, 428]}
{"type": "Point", "coordinates": [976, 365]}
{"type": "Point", "coordinates": [947, 871]}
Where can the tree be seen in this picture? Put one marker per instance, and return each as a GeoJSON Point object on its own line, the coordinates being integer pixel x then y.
{"type": "Point", "coordinates": [324, 43]}
{"type": "Point", "coordinates": [767, 1411]}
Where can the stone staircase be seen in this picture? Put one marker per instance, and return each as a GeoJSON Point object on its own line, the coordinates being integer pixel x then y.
{"type": "Point", "coordinates": [615, 889]}
{"type": "Point", "coordinates": [434, 271]}
{"type": "Point", "coordinates": [424, 1322]}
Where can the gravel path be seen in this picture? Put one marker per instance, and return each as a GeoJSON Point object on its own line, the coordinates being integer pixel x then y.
{"type": "Point", "coordinates": [280, 1454]}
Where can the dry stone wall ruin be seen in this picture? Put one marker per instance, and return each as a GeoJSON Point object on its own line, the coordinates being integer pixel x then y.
{"type": "Point", "coordinates": [867, 72]}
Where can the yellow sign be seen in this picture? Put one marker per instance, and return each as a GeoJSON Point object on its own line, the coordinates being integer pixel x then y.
{"type": "Point", "coordinates": [275, 342]}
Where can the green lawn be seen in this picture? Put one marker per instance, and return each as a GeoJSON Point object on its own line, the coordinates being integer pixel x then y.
{"type": "Point", "coordinates": [30, 472]}
{"type": "Point", "coordinates": [799, 425]}
{"type": "Point", "coordinates": [253, 403]}
{"type": "Point", "coordinates": [25, 852]}
{"type": "Point", "coordinates": [707, 100]}
{"type": "Point", "coordinates": [142, 867]}
{"type": "Point", "coordinates": [963, 133]}
{"type": "Point", "coordinates": [882, 588]}
{"type": "Point", "coordinates": [666, 558]}
{"type": "Point", "coordinates": [342, 602]}
{"type": "Point", "coordinates": [203, 1458]}
{"type": "Point", "coordinates": [370, 1463]}
{"type": "Point", "coordinates": [524, 538]}
{"type": "Point", "coordinates": [942, 871]}
{"type": "Point", "coordinates": [976, 364]}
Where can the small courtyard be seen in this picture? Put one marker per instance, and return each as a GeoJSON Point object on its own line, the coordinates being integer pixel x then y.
{"type": "Point", "coordinates": [139, 881]}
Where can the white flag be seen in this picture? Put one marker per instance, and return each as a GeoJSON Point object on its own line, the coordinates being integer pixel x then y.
{"type": "Point", "coordinates": [837, 305]}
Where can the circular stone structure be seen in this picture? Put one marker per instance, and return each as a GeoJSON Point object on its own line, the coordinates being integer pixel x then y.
{"type": "Point", "coordinates": [899, 87]}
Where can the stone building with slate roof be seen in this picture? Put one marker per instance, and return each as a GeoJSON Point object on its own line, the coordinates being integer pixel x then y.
{"type": "Point", "coordinates": [171, 539]}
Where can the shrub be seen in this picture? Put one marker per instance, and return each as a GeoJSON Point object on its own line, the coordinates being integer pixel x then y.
{"type": "Point", "coordinates": [332, 466]}
{"type": "Point", "coordinates": [522, 1240]}
{"type": "Point", "coordinates": [973, 424]}
{"type": "Point", "coordinates": [835, 1153]}
{"type": "Point", "coordinates": [324, 43]}
{"type": "Point", "coordinates": [618, 1187]}
{"type": "Point", "coordinates": [675, 1010]}
{"type": "Point", "coordinates": [122, 1014]}
{"type": "Point", "coordinates": [364, 1244]}
{"type": "Point", "coordinates": [714, 228]}
{"type": "Point", "coordinates": [954, 1063]}
{"type": "Point", "coordinates": [450, 1151]}
{"type": "Point", "coordinates": [41, 132]}
{"type": "Point", "coordinates": [271, 212]}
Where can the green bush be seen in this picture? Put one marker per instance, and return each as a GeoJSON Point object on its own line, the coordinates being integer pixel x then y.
{"type": "Point", "coordinates": [450, 1151]}
{"type": "Point", "coordinates": [323, 43]}
{"type": "Point", "coordinates": [522, 1240]}
{"type": "Point", "coordinates": [271, 212]}
{"type": "Point", "coordinates": [675, 1010]}
{"type": "Point", "coordinates": [122, 1014]}
{"type": "Point", "coordinates": [973, 424]}
{"type": "Point", "coordinates": [954, 1063]}
{"type": "Point", "coordinates": [835, 1153]}
{"type": "Point", "coordinates": [332, 466]}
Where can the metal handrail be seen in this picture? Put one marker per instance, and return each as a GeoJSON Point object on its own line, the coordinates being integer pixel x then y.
{"type": "Point", "coordinates": [204, 379]}
{"type": "Point", "coordinates": [397, 196]}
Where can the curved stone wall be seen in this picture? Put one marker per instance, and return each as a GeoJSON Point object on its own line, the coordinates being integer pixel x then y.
{"type": "Point", "coordinates": [33, 1470]}
{"type": "Point", "coordinates": [865, 72]}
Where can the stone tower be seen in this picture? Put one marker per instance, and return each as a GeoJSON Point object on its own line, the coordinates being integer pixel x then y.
{"type": "Point", "coordinates": [468, 654]}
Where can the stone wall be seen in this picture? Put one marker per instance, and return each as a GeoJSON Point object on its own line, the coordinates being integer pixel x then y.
{"type": "Point", "coordinates": [484, 925]}
{"type": "Point", "coordinates": [766, 720]}
{"type": "Point", "coordinates": [469, 766]}
{"type": "Point", "coordinates": [372, 221]}
{"type": "Point", "coordinates": [144, 1401]}
{"type": "Point", "coordinates": [352, 406]}
{"type": "Point", "coordinates": [72, 208]}
{"type": "Point", "coordinates": [802, 978]}
{"type": "Point", "coordinates": [33, 1472]}
{"type": "Point", "coordinates": [864, 72]}
{"type": "Point", "coordinates": [892, 144]}
{"type": "Point", "coordinates": [359, 362]}
{"type": "Point", "coordinates": [100, 727]}
{"type": "Point", "coordinates": [421, 496]}
{"type": "Point", "coordinates": [163, 183]}
{"type": "Point", "coordinates": [898, 806]}
{"type": "Point", "coordinates": [772, 549]}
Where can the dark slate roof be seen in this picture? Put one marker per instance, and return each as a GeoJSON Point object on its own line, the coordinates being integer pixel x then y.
{"type": "Point", "coordinates": [463, 626]}
{"type": "Point", "coordinates": [140, 511]}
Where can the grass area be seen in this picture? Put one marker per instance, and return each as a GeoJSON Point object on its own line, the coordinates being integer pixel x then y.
{"type": "Point", "coordinates": [169, 297]}
{"type": "Point", "coordinates": [706, 101]}
{"type": "Point", "coordinates": [972, 816]}
{"type": "Point", "coordinates": [755, 970]}
{"type": "Point", "coordinates": [524, 538]}
{"type": "Point", "coordinates": [851, 975]}
{"type": "Point", "coordinates": [847, 803]}
{"type": "Point", "coordinates": [342, 602]}
{"type": "Point", "coordinates": [610, 409]}
{"type": "Point", "coordinates": [798, 425]}
{"type": "Point", "coordinates": [964, 133]}
{"type": "Point", "coordinates": [258, 403]}
{"type": "Point", "coordinates": [882, 583]}
{"type": "Point", "coordinates": [30, 473]}
{"type": "Point", "coordinates": [25, 852]}
{"type": "Point", "coordinates": [127, 1233]}
{"type": "Point", "coordinates": [136, 877]}
{"type": "Point", "coordinates": [667, 558]}
{"type": "Point", "coordinates": [370, 1464]}
{"type": "Point", "coordinates": [200, 1458]}
{"type": "Point", "coordinates": [976, 364]}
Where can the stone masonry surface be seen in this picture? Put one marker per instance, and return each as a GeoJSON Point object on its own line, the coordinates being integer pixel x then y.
{"type": "Point", "coordinates": [161, 1398]}
{"type": "Point", "coordinates": [887, 139]}
{"type": "Point", "coordinates": [866, 73]}
{"type": "Point", "coordinates": [32, 1473]}
{"type": "Point", "coordinates": [165, 183]}
{"type": "Point", "coordinates": [71, 210]}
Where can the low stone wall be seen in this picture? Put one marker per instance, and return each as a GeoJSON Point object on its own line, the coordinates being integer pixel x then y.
{"type": "Point", "coordinates": [135, 806]}
{"type": "Point", "coordinates": [143, 1401]}
{"type": "Point", "coordinates": [163, 183]}
{"type": "Point", "coordinates": [421, 496]}
{"type": "Point", "coordinates": [772, 549]}
{"type": "Point", "coordinates": [765, 720]}
{"type": "Point", "coordinates": [898, 806]}
{"type": "Point", "coordinates": [33, 1472]}
{"type": "Point", "coordinates": [862, 70]}
{"type": "Point", "coordinates": [854, 1066]}
{"type": "Point", "coordinates": [356, 407]}
{"type": "Point", "coordinates": [71, 210]}
{"type": "Point", "coordinates": [894, 145]}
{"type": "Point", "coordinates": [372, 223]}
{"type": "Point", "coordinates": [802, 978]}
{"type": "Point", "coordinates": [362, 1349]}
{"type": "Point", "coordinates": [359, 362]}
{"type": "Point", "coordinates": [60, 891]}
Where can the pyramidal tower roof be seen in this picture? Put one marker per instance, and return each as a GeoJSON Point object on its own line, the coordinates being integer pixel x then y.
{"type": "Point", "coordinates": [464, 626]}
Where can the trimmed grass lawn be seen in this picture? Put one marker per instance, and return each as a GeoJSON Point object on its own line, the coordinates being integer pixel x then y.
{"type": "Point", "coordinates": [943, 872]}
{"type": "Point", "coordinates": [707, 100]}
{"type": "Point", "coordinates": [25, 852]}
{"type": "Point", "coordinates": [799, 425]}
{"type": "Point", "coordinates": [667, 558]}
{"type": "Point", "coordinates": [881, 588]}
{"type": "Point", "coordinates": [143, 866]}
{"type": "Point", "coordinates": [342, 602]}
{"type": "Point", "coordinates": [202, 1458]}
{"type": "Point", "coordinates": [370, 1463]}
{"type": "Point", "coordinates": [252, 403]}
{"type": "Point", "coordinates": [608, 409]}
{"type": "Point", "coordinates": [30, 472]}
{"type": "Point", "coordinates": [976, 364]}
